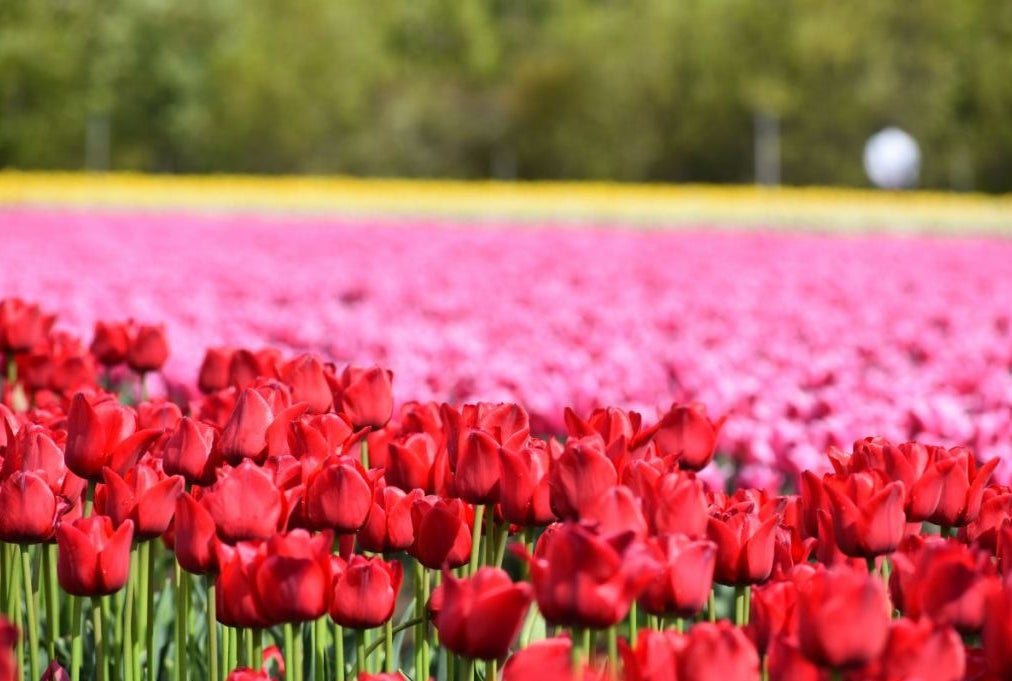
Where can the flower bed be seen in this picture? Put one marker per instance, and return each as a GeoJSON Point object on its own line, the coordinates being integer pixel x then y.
{"type": "Point", "coordinates": [803, 341]}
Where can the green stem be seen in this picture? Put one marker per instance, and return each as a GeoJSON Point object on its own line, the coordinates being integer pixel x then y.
{"type": "Point", "coordinates": [613, 649]}
{"type": "Point", "coordinates": [419, 618]}
{"type": "Point", "coordinates": [365, 454]}
{"type": "Point", "coordinates": [490, 535]}
{"type": "Point", "coordinates": [182, 617]}
{"type": "Point", "coordinates": [33, 617]}
{"type": "Point", "coordinates": [226, 648]}
{"type": "Point", "coordinates": [76, 644]}
{"type": "Point", "coordinates": [319, 649]}
{"type": "Point", "coordinates": [502, 538]}
{"type": "Point", "coordinates": [15, 598]}
{"type": "Point", "coordinates": [127, 648]}
{"type": "Point", "coordinates": [212, 632]}
{"type": "Point", "coordinates": [711, 606]}
{"type": "Point", "coordinates": [377, 644]}
{"type": "Point", "coordinates": [12, 370]}
{"type": "Point", "coordinates": [634, 624]}
{"type": "Point", "coordinates": [426, 650]}
{"type": "Point", "coordinates": [256, 648]}
{"type": "Point", "coordinates": [653, 622]}
{"type": "Point", "coordinates": [233, 650]}
{"type": "Point", "coordinates": [389, 663]}
{"type": "Point", "coordinates": [299, 655]}
{"type": "Point", "coordinates": [468, 669]}
{"type": "Point", "coordinates": [149, 629]}
{"type": "Point", "coordinates": [52, 602]}
{"type": "Point", "coordinates": [360, 654]}
{"type": "Point", "coordinates": [339, 652]}
{"type": "Point", "coordinates": [491, 670]}
{"type": "Point", "coordinates": [680, 625]}
{"type": "Point", "coordinates": [289, 650]}
{"type": "Point", "coordinates": [101, 663]}
{"type": "Point", "coordinates": [739, 606]}
{"type": "Point", "coordinates": [479, 515]}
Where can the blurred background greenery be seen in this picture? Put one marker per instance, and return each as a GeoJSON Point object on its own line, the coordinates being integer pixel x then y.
{"type": "Point", "coordinates": [631, 90]}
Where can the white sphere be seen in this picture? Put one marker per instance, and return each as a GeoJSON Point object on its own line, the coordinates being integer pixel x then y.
{"type": "Point", "coordinates": [892, 159]}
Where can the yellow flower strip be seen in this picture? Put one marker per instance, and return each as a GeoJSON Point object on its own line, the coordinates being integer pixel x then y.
{"type": "Point", "coordinates": [637, 205]}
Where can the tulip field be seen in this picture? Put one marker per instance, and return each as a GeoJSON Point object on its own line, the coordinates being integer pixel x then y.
{"type": "Point", "coordinates": [241, 445]}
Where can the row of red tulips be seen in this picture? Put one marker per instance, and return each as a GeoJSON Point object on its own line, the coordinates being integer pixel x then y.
{"type": "Point", "coordinates": [293, 521]}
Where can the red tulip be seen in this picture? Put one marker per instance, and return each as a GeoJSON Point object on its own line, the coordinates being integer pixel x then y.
{"type": "Point", "coordinates": [868, 517]}
{"type": "Point", "coordinates": [548, 659]}
{"type": "Point", "coordinates": [685, 434]}
{"type": "Point", "coordinates": [995, 511]}
{"type": "Point", "coordinates": [476, 471]}
{"type": "Point", "coordinates": [922, 650]}
{"type": "Point", "coordinates": [28, 509]}
{"type": "Point", "coordinates": [365, 395]}
{"type": "Point", "coordinates": [580, 476]}
{"type": "Point", "coordinates": [22, 325]}
{"type": "Point", "coordinates": [93, 560]}
{"type": "Point", "coordinates": [9, 637]}
{"type": "Point", "coordinates": [523, 487]}
{"type": "Point", "coordinates": [389, 526]}
{"type": "Point", "coordinates": [195, 539]}
{"type": "Point", "coordinates": [293, 579]}
{"type": "Point", "coordinates": [188, 451]}
{"type": "Point", "coordinates": [235, 586]}
{"type": "Point", "coordinates": [655, 657]}
{"type": "Point", "coordinates": [245, 434]}
{"type": "Point", "coordinates": [676, 504]}
{"type": "Point", "coordinates": [214, 370]}
{"type": "Point", "coordinates": [943, 580]}
{"type": "Point", "coordinates": [959, 485]}
{"type": "Point", "coordinates": [306, 376]}
{"type": "Point", "coordinates": [785, 662]}
{"type": "Point", "coordinates": [338, 495]}
{"type": "Point", "coordinates": [102, 434]}
{"type": "Point", "coordinates": [247, 674]}
{"type": "Point", "coordinates": [683, 581]}
{"type": "Point", "coordinates": [245, 503]}
{"type": "Point", "coordinates": [145, 496]}
{"type": "Point", "coordinates": [997, 633]}
{"type": "Point", "coordinates": [718, 651]}
{"type": "Point", "coordinates": [481, 616]}
{"type": "Point", "coordinates": [111, 342]}
{"type": "Point", "coordinates": [442, 532]}
{"type": "Point", "coordinates": [843, 618]}
{"type": "Point", "coordinates": [410, 463]}
{"type": "Point", "coordinates": [584, 580]}
{"type": "Point", "coordinates": [54, 672]}
{"type": "Point", "coordinates": [148, 349]}
{"type": "Point", "coordinates": [744, 547]}
{"type": "Point", "coordinates": [364, 591]}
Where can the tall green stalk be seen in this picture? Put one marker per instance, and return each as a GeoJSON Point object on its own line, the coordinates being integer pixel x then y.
{"type": "Point", "coordinates": [101, 659]}
{"type": "Point", "coordinates": [212, 632]}
{"type": "Point", "coordinates": [479, 515]}
{"type": "Point", "coordinates": [76, 644]}
{"type": "Point", "coordinates": [52, 598]}
{"type": "Point", "coordinates": [32, 612]}
{"type": "Point", "coordinates": [339, 670]}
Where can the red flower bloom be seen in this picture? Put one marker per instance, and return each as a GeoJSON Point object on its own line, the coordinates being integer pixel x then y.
{"type": "Point", "coordinates": [102, 434]}
{"type": "Point", "coordinates": [685, 434]}
{"type": "Point", "coordinates": [868, 517]}
{"type": "Point", "coordinates": [410, 463]}
{"type": "Point", "coordinates": [476, 469]}
{"type": "Point", "coordinates": [676, 504]}
{"type": "Point", "coordinates": [214, 370]}
{"type": "Point", "coordinates": [389, 526]}
{"type": "Point", "coordinates": [683, 581]}
{"type": "Point", "coordinates": [364, 591]}
{"type": "Point", "coordinates": [9, 637]}
{"type": "Point", "coordinates": [111, 342]}
{"type": "Point", "coordinates": [338, 495]}
{"type": "Point", "coordinates": [744, 547]}
{"type": "Point", "coordinates": [195, 539]}
{"type": "Point", "coordinates": [580, 476]}
{"type": "Point", "coordinates": [365, 395]}
{"type": "Point", "coordinates": [28, 509]}
{"type": "Point", "coordinates": [245, 503]}
{"type": "Point", "coordinates": [481, 616]}
{"type": "Point", "coordinates": [293, 578]}
{"type": "Point", "coordinates": [843, 618]}
{"type": "Point", "coordinates": [584, 580]}
{"type": "Point", "coordinates": [306, 376]}
{"type": "Point", "coordinates": [442, 532]}
{"type": "Point", "coordinates": [523, 485]}
{"type": "Point", "coordinates": [997, 633]}
{"type": "Point", "coordinates": [145, 496]}
{"type": "Point", "coordinates": [245, 434]}
{"type": "Point", "coordinates": [922, 650]}
{"type": "Point", "coordinates": [93, 560]}
{"type": "Point", "coordinates": [22, 325]}
{"type": "Point", "coordinates": [943, 580]}
{"type": "Point", "coordinates": [718, 651]}
{"type": "Point", "coordinates": [148, 349]}
{"type": "Point", "coordinates": [188, 451]}
{"type": "Point", "coordinates": [655, 657]}
{"type": "Point", "coordinates": [548, 659]}
{"type": "Point", "coordinates": [959, 485]}
{"type": "Point", "coordinates": [235, 586]}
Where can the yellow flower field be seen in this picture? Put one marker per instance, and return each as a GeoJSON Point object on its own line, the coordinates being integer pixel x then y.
{"type": "Point", "coordinates": [569, 202]}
